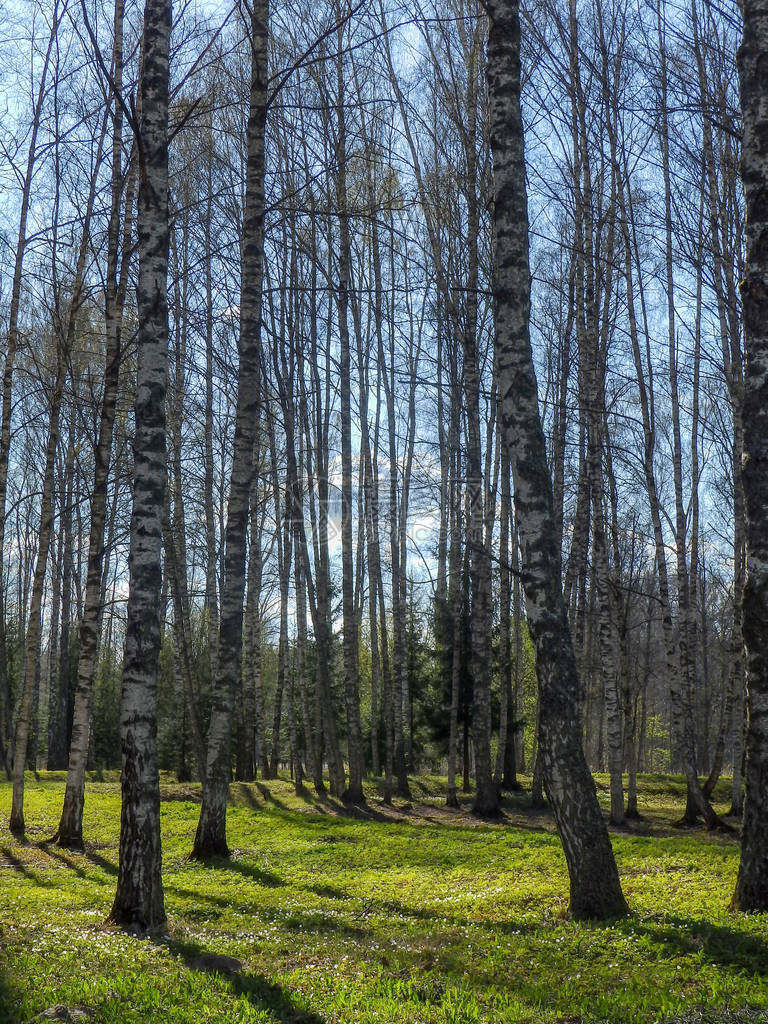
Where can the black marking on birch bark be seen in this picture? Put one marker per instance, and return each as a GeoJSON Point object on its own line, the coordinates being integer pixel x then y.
{"type": "Point", "coordinates": [595, 887]}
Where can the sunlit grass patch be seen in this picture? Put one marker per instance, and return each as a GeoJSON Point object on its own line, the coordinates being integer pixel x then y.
{"type": "Point", "coordinates": [423, 917]}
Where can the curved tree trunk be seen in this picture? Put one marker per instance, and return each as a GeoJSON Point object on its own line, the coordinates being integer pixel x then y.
{"type": "Point", "coordinates": [211, 838]}
{"type": "Point", "coordinates": [8, 370]}
{"type": "Point", "coordinates": [595, 888]}
{"type": "Point", "coordinates": [64, 346]}
{"type": "Point", "coordinates": [70, 830]}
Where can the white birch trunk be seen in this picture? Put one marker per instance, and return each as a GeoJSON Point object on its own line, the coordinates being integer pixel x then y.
{"type": "Point", "coordinates": [595, 888]}
{"type": "Point", "coordinates": [139, 902]}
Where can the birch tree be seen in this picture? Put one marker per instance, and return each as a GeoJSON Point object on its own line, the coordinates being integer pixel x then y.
{"type": "Point", "coordinates": [752, 884]}
{"type": "Point", "coordinates": [70, 830]}
{"type": "Point", "coordinates": [210, 839]}
{"type": "Point", "coordinates": [595, 887]}
{"type": "Point", "coordinates": [139, 902]}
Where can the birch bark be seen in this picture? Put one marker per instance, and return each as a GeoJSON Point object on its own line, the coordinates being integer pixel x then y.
{"type": "Point", "coordinates": [139, 902]}
{"type": "Point", "coordinates": [70, 830]}
{"type": "Point", "coordinates": [354, 791]}
{"type": "Point", "coordinates": [10, 362]}
{"type": "Point", "coordinates": [64, 346]}
{"type": "Point", "coordinates": [210, 839]}
{"type": "Point", "coordinates": [752, 884]}
{"type": "Point", "coordinates": [595, 888]}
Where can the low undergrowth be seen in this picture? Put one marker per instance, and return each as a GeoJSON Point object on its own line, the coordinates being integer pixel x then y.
{"type": "Point", "coordinates": [412, 915]}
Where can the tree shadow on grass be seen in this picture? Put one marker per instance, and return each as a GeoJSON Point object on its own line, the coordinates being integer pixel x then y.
{"type": "Point", "coordinates": [246, 794]}
{"type": "Point", "coordinates": [256, 874]}
{"type": "Point", "coordinates": [352, 812]}
{"type": "Point", "coordinates": [9, 1000]}
{"type": "Point", "coordinates": [9, 859]}
{"type": "Point", "coordinates": [388, 908]}
{"type": "Point", "coordinates": [314, 923]}
{"type": "Point", "coordinates": [69, 859]}
{"type": "Point", "coordinates": [64, 859]}
{"type": "Point", "coordinates": [269, 797]}
{"type": "Point", "coordinates": [263, 994]}
{"type": "Point", "coordinates": [260, 992]}
{"type": "Point", "coordinates": [193, 894]}
{"type": "Point", "coordinates": [719, 944]}
{"type": "Point", "coordinates": [330, 892]}
{"type": "Point", "coordinates": [309, 921]}
{"type": "Point", "coordinates": [243, 794]}
{"type": "Point", "coordinates": [107, 866]}
{"type": "Point", "coordinates": [325, 806]}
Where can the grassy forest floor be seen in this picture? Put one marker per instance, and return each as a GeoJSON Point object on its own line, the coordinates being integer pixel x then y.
{"type": "Point", "coordinates": [418, 914]}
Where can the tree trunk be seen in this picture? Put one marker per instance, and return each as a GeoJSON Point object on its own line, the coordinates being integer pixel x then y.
{"type": "Point", "coordinates": [211, 591]}
{"type": "Point", "coordinates": [506, 736]}
{"type": "Point", "coordinates": [455, 592]}
{"type": "Point", "coordinates": [253, 632]}
{"type": "Point", "coordinates": [63, 696]}
{"type": "Point", "coordinates": [8, 369]}
{"type": "Point", "coordinates": [70, 830]}
{"type": "Point", "coordinates": [595, 888]}
{"type": "Point", "coordinates": [139, 902]}
{"type": "Point", "coordinates": [64, 346]}
{"type": "Point", "coordinates": [211, 839]}
{"type": "Point", "coordinates": [182, 634]}
{"type": "Point", "coordinates": [310, 738]}
{"type": "Point", "coordinates": [354, 791]}
{"type": "Point", "coordinates": [752, 884]}
{"type": "Point", "coordinates": [486, 800]}
{"type": "Point", "coordinates": [34, 621]}
{"type": "Point", "coordinates": [53, 666]}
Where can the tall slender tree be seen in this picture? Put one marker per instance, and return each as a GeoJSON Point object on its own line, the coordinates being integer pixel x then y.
{"type": "Point", "coordinates": [70, 831]}
{"type": "Point", "coordinates": [595, 887]}
{"type": "Point", "coordinates": [211, 838]}
{"type": "Point", "coordinates": [139, 901]}
{"type": "Point", "coordinates": [752, 883]}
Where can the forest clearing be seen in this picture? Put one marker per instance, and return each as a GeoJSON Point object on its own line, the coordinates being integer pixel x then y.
{"type": "Point", "coordinates": [383, 422]}
{"type": "Point", "coordinates": [417, 914]}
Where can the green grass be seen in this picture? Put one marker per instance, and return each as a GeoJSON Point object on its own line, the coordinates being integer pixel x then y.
{"type": "Point", "coordinates": [427, 918]}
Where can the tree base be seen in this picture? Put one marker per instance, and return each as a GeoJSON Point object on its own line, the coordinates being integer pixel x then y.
{"type": "Point", "coordinates": [207, 849]}
{"type": "Point", "coordinates": [510, 787]}
{"type": "Point", "coordinates": [486, 803]}
{"type": "Point", "coordinates": [140, 929]}
{"type": "Point", "coordinates": [337, 790]}
{"type": "Point", "coordinates": [749, 902]}
{"type": "Point", "coordinates": [712, 823]}
{"type": "Point", "coordinates": [68, 841]}
{"type": "Point", "coordinates": [718, 825]}
{"type": "Point", "coordinates": [353, 797]}
{"type": "Point", "coordinates": [688, 821]}
{"type": "Point", "coordinates": [598, 908]}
